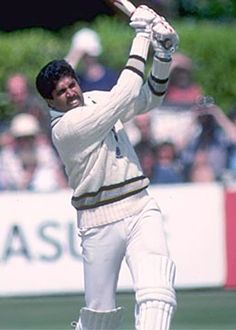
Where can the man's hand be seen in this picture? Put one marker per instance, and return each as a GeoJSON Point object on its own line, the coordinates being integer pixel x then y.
{"type": "Point", "coordinates": [165, 40]}
{"type": "Point", "coordinates": [142, 21]}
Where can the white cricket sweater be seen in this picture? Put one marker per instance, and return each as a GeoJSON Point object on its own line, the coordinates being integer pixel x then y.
{"type": "Point", "coordinates": [100, 162]}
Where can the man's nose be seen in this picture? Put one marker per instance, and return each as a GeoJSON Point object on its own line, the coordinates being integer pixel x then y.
{"type": "Point", "coordinates": [70, 93]}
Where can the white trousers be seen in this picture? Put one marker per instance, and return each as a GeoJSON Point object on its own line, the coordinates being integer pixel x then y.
{"type": "Point", "coordinates": [138, 239]}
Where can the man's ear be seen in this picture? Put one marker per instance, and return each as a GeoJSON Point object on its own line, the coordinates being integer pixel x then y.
{"type": "Point", "coordinates": [50, 103]}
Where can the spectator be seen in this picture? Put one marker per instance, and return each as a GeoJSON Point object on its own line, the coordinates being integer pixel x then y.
{"type": "Point", "coordinates": [228, 125]}
{"type": "Point", "coordinates": [28, 161]}
{"type": "Point", "coordinates": [144, 143]}
{"type": "Point", "coordinates": [167, 167]}
{"type": "Point", "coordinates": [210, 138]}
{"type": "Point", "coordinates": [22, 100]}
{"type": "Point", "coordinates": [142, 124]}
{"type": "Point", "coordinates": [182, 90]}
{"type": "Point", "coordinates": [145, 154]}
{"type": "Point", "coordinates": [85, 50]}
{"type": "Point", "coordinates": [167, 124]}
{"type": "Point", "coordinates": [201, 170]}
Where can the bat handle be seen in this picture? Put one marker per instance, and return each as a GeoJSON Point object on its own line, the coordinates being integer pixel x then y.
{"type": "Point", "coordinates": [126, 6]}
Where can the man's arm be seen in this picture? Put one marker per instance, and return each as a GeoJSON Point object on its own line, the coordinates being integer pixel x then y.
{"type": "Point", "coordinates": [154, 89]}
{"type": "Point", "coordinates": [93, 123]}
{"type": "Point", "coordinates": [221, 118]}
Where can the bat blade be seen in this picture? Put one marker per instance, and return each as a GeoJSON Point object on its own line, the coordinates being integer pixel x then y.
{"type": "Point", "coordinates": [125, 6]}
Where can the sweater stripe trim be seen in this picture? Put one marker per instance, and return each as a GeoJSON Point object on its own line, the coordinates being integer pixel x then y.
{"type": "Point", "coordinates": [162, 59]}
{"type": "Point", "coordinates": [155, 92]}
{"type": "Point", "coordinates": [110, 194]}
{"type": "Point", "coordinates": [158, 80]}
{"type": "Point", "coordinates": [55, 121]}
{"type": "Point", "coordinates": [135, 70]}
{"type": "Point", "coordinates": [110, 187]}
{"type": "Point", "coordinates": [137, 57]}
{"type": "Point", "coordinates": [109, 201]}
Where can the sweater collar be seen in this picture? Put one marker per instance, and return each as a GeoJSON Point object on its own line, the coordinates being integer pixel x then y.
{"type": "Point", "coordinates": [54, 114]}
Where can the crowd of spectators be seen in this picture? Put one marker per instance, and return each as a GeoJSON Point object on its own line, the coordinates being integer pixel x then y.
{"type": "Point", "coordinates": [188, 139]}
{"type": "Point", "coordinates": [28, 160]}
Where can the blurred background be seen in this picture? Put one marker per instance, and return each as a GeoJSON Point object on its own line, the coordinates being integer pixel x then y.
{"type": "Point", "coordinates": [187, 148]}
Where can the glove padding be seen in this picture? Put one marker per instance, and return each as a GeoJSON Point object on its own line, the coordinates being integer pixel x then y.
{"type": "Point", "coordinates": [165, 40]}
{"type": "Point", "coordinates": [142, 20]}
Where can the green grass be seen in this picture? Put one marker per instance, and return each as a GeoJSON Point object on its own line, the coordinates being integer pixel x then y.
{"type": "Point", "coordinates": [197, 310]}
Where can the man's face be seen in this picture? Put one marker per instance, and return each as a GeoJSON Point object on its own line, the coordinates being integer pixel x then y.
{"type": "Point", "coordinates": [66, 95]}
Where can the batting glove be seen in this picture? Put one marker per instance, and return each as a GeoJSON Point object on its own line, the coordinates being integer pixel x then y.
{"type": "Point", "coordinates": [165, 40]}
{"type": "Point", "coordinates": [142, 20]}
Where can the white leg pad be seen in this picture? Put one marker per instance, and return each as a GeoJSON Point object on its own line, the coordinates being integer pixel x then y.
{"type": "Point", "coordinates": [154, 315]}
{"type": "Point", "coordinates": [155, 296]}
{"type": "Point", "coordinates": [100, 320]}
{"type": "Point", "coordinates": [160, 284]}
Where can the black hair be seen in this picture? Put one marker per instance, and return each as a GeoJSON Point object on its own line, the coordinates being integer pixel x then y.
{"type": "Point", "coordinates": [50, 74]}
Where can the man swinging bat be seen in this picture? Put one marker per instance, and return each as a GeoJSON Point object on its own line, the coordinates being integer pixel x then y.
{"type": "Point", "coordinates": [117, 218]}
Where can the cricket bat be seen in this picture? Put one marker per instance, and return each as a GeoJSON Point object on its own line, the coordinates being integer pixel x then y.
{"type": "Point", "coordinates": [128, 8]}
{"type": "Point", "coordinates": [124, 5]}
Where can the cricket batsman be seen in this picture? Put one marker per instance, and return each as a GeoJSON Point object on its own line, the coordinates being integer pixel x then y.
{"type": "Point", "coordinates": [117, 218]}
